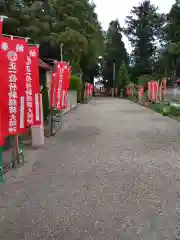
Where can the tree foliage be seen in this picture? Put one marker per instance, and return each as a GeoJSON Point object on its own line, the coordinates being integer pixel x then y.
{"type": "Point", "coordinates": [50, 23]}
{"type": "Point", "coordinates": [115, 51]}
{"type": "Point", "coordinates": [122, 77]}
{"type": "Point", "coordinates": [144, 30]}
{"type": "Point", "coordinates": [173, 40]}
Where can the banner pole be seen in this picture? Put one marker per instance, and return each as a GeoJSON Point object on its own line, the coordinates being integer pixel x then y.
{"type": "Point", "coordinates": [1, 158]}
{"type": "Point", "coordinates": [1, 166]}
{"type": "Point", "coordinates": [54, 101]}
{"type": "Point", "coordinates": [12, 36]}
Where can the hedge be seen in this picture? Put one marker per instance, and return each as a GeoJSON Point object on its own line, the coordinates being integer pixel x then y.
{"type": "Point", "coordinates": [75, 84]}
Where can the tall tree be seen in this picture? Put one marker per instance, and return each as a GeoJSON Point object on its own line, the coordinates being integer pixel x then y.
{"type": "Point", "coordinates": [115, 51]}
{"type": "Point", "coordinates": [173, 40]}
{"type": "Point", "coordinates": [123, 77]}
{"type": "Point", "coordinates": [143, 31]}
{"type": "Point", "coordinates": [49, 23]}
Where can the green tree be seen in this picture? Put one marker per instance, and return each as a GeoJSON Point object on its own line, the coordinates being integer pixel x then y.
{"type": "Point", "coordinates": [115, 51]}
{"type": "Point", "coordinates": [144, 27]}
{"type": "Point", "coordinates": [122, 78]}
{"type": "Point", "coordinates": [173, 41]}
{"type": "Point", "coordinates": [50, 23]}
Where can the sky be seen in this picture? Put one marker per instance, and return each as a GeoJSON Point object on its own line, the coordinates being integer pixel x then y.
{"type": "Point", "coordinates": [109, 10]}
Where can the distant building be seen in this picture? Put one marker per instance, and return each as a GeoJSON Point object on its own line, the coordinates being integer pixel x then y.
{"type": "Point", "coordinates": [99, 85]}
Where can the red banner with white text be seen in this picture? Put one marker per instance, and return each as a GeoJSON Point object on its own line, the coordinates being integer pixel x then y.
{"type": "Point", "coordinates": [33, 87]}
{"type": "Point", "coordinates": [58, 84]}
{"type": "Point", "coordinates": [62, 84]}
{"type": "Point", "coordinates": [65, 85]}
{"type": "Point", "coordinates": [1, 26]}
{"type": "Point", "coordinates": [1, 130]}
{"type": "Point", "coordinates": [12, 92]}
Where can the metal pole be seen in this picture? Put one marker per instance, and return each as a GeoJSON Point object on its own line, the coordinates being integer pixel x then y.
{"type": "Point", "coordinates": [54, 102]}
{"type": "Point", "coordinates": [61, 49]}
{"type": "Point", "coordinates": [1, 158]}
{"type": "Point", "coordinates": [114, 77]}
{"type": "Point", "coordinates": [1, 166]}
{"type": "Point", "coordinates": [6, 35]}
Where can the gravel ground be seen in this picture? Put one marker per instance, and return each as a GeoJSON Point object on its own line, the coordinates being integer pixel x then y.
{"type": "Point", "coordinates": [111, 173]}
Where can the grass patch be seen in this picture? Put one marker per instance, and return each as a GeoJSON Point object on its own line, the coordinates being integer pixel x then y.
{"type": "Point", "coordinates": [165, 108]}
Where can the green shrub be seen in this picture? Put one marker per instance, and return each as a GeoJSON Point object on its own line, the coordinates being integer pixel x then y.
{"type": "Point", "coordinates": [143, 80]}
{"type": "Point", "coordinates": [76, 84]}
{"type": "Point", "coordinates": [174, 111]}
{"type": "Point", "coordinates": [165, 110]}
{"type": "Point", "coordinates": [155, 106]}
{"type": "Point", "coordinates": [145, 97]}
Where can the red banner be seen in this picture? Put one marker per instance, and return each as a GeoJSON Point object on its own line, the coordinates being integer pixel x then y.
{"type": "Point", "coordinates": [160, 91]}
{"type": "Point", "coordinates": [1, 26]}
{"type": "Point", "coordinates": [153, 91]}
{"type": "Point", "coordinates": [156, 87]}
{"type": "Point", "coordinates": [65, 86]}
{"type": "Point", "coordinates": [12, 61]}
{"type": "Point", "coordinates": [141, 91]}
{"type": "Point", "coordinates": [1, 131]}
{"type": "Point", "coordinates": [33, 87]}
{"type": "Point", "coordinates": [165, 87]}
{"type": "Point", "coordinates": [86, 90]}
{"type": "Point", "coordinates": [58, 84]}
{"type": "Point", "coordinates": [149, 90]}
{"type": "Point", "coordinates": [62, 84]}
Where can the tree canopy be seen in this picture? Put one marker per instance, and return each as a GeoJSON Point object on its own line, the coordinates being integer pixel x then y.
{"type": "Point", "coordinates": [144, 31]}
{"type": "Point", "coordinates": [50, 23]}
{"type": "Point", "coordinates": [154, 37]}
{"type": "Point", "coordinates": [114, 52]}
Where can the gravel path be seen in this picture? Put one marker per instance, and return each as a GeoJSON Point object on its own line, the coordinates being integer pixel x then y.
{"type": "Point", "coordinates": [111, 173]}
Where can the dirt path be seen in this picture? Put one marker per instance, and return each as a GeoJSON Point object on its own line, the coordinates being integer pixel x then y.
{"type": "Point", "coordinates": [112, 172]}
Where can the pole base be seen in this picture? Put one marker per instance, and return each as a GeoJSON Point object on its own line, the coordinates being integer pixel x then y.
{"type": "Point", "coordinates": [1, 175]}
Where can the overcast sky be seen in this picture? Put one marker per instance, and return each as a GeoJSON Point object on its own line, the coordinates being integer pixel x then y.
{"type": "Point", "coordinates": [108, 10]}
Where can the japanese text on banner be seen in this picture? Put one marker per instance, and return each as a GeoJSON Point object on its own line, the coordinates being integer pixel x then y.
{"type": "Point", "coordinates": [59, 82]}
{"type": "Point", "coordinates": [12, 61]}
{"type": "Point", "coordinates": [1, 26]}
{"type": "Point", "coordinates": [32, 86]}
{"type": "Point", "coordinates": [29, 103]}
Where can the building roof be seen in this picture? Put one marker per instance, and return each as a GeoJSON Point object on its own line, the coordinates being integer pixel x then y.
{"type": "Point", "coordinates": [45, 65]}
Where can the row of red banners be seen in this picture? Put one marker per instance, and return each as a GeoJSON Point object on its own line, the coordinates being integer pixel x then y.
{"type": "Point", "coordinates": [60, 82]}
{"type": "Point", "coordinates": [155, 90]}
{"type": "Point", "coordinates": [88, 90]}
{"type": "Point", "coordinates": [20, 89]}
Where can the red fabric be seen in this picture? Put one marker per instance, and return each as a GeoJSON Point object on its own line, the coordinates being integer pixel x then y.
{"type": "Point", "coordinates": [87, 90]}
{"type": "Point", "coordinates": [1, 131]}
{"type": "Point", "coordinates": [149, 90]}
{"type": "Point", "coordinates": [62, 84]}
{"type": "Point", "coordinates": [141, 91]}
{"type": "Point", "coordinates": [65, 86]}
{"type": "Point", "coordinates": [12, 61]}
{"type": "Point", "coordinates": [155, 90]}
{"type": "Point", "coordinates": [53, 76]}
{"type": "Point", "coordinates": [165, 87]}
{"type": "Point", "coordinates": [33, 87]}
{"type": "Point", "coordinates": [160, 92]}
{"type": "Point", "coordinates": [1, 26]}
{"type": "Point", "coordinates": [58, 85]}
{"type": "Point", "coordinates": [127, 92]}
